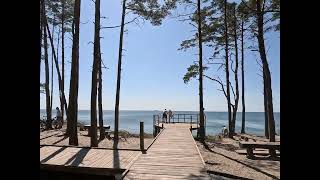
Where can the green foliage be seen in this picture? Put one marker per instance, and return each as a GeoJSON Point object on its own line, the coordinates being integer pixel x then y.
{"type": "Point", "coordinates": [151, 9]}
{"type": "Point", "coordinates": [212, 23]}
{"type": "Point", "coordinates": [192, 72]}
{"type": "Point", "coordinates": [216, 138]}
{"type": "Point", "coordinates": [54, 13]}
{"type": "Point", "coordinates": [42, 88]}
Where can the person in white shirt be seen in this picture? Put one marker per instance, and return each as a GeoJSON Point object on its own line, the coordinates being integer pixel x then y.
{"type": "Point", "coordinates": [59, 118]}
{"type": "Point", "coordinates": [224, 131]}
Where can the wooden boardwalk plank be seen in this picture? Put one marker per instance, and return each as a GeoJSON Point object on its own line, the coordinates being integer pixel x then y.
{"type": "Point", "coordinates": [100, 161]}
{"type": "Point", "coordinates": [174, 155]}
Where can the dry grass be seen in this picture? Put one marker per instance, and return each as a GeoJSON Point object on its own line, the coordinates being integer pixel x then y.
{"type": "Point", "coordinates": [126, 139]}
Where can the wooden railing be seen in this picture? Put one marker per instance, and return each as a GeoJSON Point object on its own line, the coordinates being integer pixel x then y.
{"type": "Point", "coordinates": [177, 118]}
{"type": "Point", "coordinates": [192, 119]}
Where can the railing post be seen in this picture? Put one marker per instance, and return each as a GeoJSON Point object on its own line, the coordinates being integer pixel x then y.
{"type": "Point", "coordinates": [158, 119]}
{"type": "Point", "coordinates": [154, 125]}
{"type": "Point", "coordinates": [141, 137]}
{"type": "Point", "coordinates": [197, 120]}
{"type": "Point", "coordinates": [191, 120]}
{"type": "Point", "coordinates": [184, 118]}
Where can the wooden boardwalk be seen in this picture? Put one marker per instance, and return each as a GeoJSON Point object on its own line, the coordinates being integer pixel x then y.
{"type": "Point", "coordinates": [174, 155]}
{"type": "Point", "coordinates": [86, 160]}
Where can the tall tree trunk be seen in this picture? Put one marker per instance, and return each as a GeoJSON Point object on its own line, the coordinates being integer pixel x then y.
{"type": "Point", "coordinates": [41, 27]}
{"type": "Point", "coordinates": [94, 81]}
{"type": "Point", "coordinates": [45, 43]}
{"type": "Point", "coordinates": [72, 114]}
{"type": "Point", "coordinates": [242, 82]}
{"type": "Point", "coordinates": [53, 26]}
{"type": "Point", "coordinates": [266, 72]}
{"type": "Point", "coordinates": [202, 128]}
{"type": "Point", "coordinates": [235, 109]}
{"type": "Point", "coordinates": [227, 68]}
{"type": "Point", "coordinates": [102, 132]}
{"type": "Point", "coordinates": [62, 56]}
{"type": "Point", "coordinates": [60, 94]}
{"type": "Point", "coordinates": [56, 63]}
{"type": "Point", "coordinates": [266, 120]}
{"type": "Point", "coordinates": [116, 111]}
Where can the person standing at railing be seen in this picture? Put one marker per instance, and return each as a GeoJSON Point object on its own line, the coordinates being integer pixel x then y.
{"type": "Point", "coordinates": [170, 115]}
{"type": "Point", "coordinates": [164, 116]}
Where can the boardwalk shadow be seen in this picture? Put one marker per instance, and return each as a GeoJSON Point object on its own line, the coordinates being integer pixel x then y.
{"type": "Point", "coordinates": [78, 157]}
{"type": "Point", "coordinates": [238, 161]}
{"type": "Point", "coordinates": [204, 177]}
{"type": "Point", "coordinates": [116, 159]}
{"type": "Point", "coordinates": [64, 137]}
{"type": "Point", "coordinates": [53, 154]}
{"type": "Point", "coordinates": [224, 176]}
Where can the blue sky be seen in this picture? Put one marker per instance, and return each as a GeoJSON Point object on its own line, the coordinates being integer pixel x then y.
{"type": "Point", "coordinates": [153, 68]}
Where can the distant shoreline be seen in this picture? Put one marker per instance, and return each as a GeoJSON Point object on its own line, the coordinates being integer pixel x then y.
{"type": "Point", "coordinates": [173, 110]}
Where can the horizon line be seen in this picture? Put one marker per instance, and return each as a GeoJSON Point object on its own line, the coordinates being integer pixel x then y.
{"type": "Point", "coordinates": [162, 110]}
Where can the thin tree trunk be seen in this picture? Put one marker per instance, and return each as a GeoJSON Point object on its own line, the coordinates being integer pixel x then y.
{"type": "Point", "coordinates": [102, 132]}
{"type": "Point", "coordinates": [266, 72]}
{"type": "Point", "coordinates": [45, 43]}
{"type": "Point", "coordinates": [202, 129]}
{"type": "Point", "coordinates": [56, 63]}
{"type": "Point", "coordinates": [235, 73]}
{"type": "Point", "coordinates": [242, 81]}
{"type": "Point", "coordinates": [116, 112]}
{"type": "Point", "coordinates": [41, 27]}
{"type": "Point", "coordinates": [266, 120]}
{"type": "Point", "coordinates": [94, 81]}
{"type": "Point", "coordinates": [53, 26]}
{"type": "Point", "coordinates": [62, 56]}
{"type": "Point", "coordinates": [72, 115]}
{"type": "Point", "coordinates": [60, 94]}
{"type": "Point", "coordinates": [227, 69]}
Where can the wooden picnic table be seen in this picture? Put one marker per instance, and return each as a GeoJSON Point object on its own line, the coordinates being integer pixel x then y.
{"type": "Point", "coordinates": [106, 128]}
{"type": "Point", "coordinates": [272, 146]}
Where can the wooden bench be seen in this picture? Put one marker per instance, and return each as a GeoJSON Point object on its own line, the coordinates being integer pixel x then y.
{"type": "Point", "coordinates": [271, 146]}
{"type": "Point", "coordinates": [260, 152]}
{"type": "Point", "coordinates": [87, 127]}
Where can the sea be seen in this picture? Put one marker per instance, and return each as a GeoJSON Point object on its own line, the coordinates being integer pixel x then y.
{"type": "Point", "coordinates": [129, 120]}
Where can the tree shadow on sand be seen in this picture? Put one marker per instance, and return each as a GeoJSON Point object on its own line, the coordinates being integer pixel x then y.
{"type": "Point", "coordinates": [228, 147]}
{"type": "Point", "coordinates": [78, 157]}
{"type": "Point", "coordinates": [64, 137]}
{"type": "Point", "coordinates": [116, 159]}
{"type": "Point", "coordinates": [53, 155]}
{"type": "Point", "coordinates": [250, 165]}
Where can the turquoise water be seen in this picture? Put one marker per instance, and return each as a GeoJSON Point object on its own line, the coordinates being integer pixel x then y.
{"type": "Point", "coordinates": [129, 120]}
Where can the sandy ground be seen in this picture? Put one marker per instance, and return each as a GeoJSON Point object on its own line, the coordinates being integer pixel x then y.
{"type": "Point", "coordinates": [56, 137]}
{"type": "Point", "coordinates": [220, 156]}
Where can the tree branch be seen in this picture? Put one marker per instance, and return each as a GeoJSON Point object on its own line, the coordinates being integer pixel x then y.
{"type": "Point", "coordinates": [218, 81]}
{"type": "Point", "coordinates": [182, 15]}
{"type": "Point", "coordinates": [273, 11]}
{"type": "Point", "coordinates": [248, 6]}
{"type": "Point", "coordinates": [109, 27]}
{"type": "Point", "coordinates": [234, 95]}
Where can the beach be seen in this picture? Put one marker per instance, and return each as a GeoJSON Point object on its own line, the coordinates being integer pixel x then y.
{"type": "Point", "coordinates": [130, 119]}
{"type": "Point", "coordinates": [220, 156]}
{"type": "Point", "coordinates": [127, 141]}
